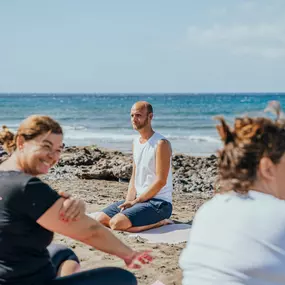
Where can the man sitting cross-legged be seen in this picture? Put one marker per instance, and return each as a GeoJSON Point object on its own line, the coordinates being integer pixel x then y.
{"type": "Point", "coordinates": [148, 202]}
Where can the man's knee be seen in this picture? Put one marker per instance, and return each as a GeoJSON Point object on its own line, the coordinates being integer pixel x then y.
{"type": "Point", "coordinates": [103, 219]}
{"type": "Point", "coordinates": [120, 222]}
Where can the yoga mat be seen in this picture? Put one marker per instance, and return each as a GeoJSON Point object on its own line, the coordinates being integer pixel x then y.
{"type": "Point", "coordinates": [171, 234]}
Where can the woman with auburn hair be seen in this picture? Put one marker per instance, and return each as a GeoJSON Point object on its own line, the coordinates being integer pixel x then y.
{"type": "Point", "coordinates": [238, 237]}
{"type": "Point", "coordinates": [29, 216]}
{"type": "Point", "coordinates": [63, 259]}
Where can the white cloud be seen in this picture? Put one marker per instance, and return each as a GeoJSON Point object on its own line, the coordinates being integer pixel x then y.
{"type": "Point", "coordinates": [259, 51]}
{"type": "Point", "coordinates": [241, 7]}
{"type": "Point", "coordinates": [247, 6]}
{"type": "Point", "coordinates": [266, 40]}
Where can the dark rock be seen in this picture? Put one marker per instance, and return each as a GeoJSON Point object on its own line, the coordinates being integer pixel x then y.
{"type": "Point", "coordinates": [98, 174]}
{"type": "Point", "coordinates": [190, 174]}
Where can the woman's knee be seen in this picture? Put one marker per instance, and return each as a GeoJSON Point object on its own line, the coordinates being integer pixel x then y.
{"type": "Point", "coordinates": [60, 253]}
{"type": "Point", "coordinates": [68, 267]}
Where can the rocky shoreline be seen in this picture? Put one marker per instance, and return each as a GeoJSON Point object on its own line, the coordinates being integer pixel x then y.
{"type": "Point", "coordinates": [190, 174]}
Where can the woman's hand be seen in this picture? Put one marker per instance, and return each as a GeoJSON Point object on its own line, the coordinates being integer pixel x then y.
{"type": "Point", "coordinates": [137, 258]}
{"type": "Point", "coordinates": [72, 209]}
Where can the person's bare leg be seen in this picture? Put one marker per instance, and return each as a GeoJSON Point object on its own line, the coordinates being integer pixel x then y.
{"type": "Point", "coordinates": [68, 267]}
{"type": "Point", "coordinates": [103, 219]}
{"type": "Point", "coordinates": [148, 227]}
{"type": "Point", "coordinates": [121, 223]}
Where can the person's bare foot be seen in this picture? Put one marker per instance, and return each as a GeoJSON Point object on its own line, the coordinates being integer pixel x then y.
{"type": "Point", "coordinates": [166, 222]}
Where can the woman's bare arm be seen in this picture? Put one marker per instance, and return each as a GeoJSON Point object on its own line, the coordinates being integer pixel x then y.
{"type": "Point", "coordinates": [86, 230]}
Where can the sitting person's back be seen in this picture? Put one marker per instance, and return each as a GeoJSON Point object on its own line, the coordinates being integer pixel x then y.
{"type": "Point", "coordinates": [237, 239]}
{"type": "Point", "coordinates": [239, 236]}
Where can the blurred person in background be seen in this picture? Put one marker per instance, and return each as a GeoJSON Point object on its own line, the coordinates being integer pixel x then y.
{"type": "Point", "coordinates": [238, 237]}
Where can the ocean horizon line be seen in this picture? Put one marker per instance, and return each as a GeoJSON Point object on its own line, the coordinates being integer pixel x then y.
{"type": "Point", "coordinates": [5, 94]}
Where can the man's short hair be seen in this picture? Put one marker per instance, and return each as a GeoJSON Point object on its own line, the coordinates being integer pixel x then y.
{"type": "Point", "coordinates": [149, 108]}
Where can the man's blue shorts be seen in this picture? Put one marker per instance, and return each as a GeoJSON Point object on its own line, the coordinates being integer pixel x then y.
{"type": "Point", "coordinates": [142, 214]}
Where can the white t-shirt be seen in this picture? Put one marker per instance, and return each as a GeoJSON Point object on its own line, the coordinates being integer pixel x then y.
{"type": "Point", "coordinates": [145, 160]}
{"type": "Point", "coordinates": [237, 239]}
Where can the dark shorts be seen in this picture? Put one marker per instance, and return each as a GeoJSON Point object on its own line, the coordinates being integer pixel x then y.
{"type": "Point", "coordinates": [142, 214]}
{"type": "Point", "coordinates": [98, 276]}
{"type": "Point", "coordinates": [60, 253]}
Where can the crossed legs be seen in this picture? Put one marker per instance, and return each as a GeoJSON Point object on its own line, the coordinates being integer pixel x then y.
{"type": "Point", "coordinates": [140, 217]}
{"type": "Point", "coordinates": [122, 223]}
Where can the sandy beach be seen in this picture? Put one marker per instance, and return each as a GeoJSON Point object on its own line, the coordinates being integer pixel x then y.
{"type": "Point", "coordinates": [93, 174]}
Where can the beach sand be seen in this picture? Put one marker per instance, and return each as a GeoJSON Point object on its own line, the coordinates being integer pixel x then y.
{"type": "Point", "coordinates": [99, 193]}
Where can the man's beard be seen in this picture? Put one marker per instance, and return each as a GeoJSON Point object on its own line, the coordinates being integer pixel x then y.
{"type": "Point", "coordinates": [142, 125]}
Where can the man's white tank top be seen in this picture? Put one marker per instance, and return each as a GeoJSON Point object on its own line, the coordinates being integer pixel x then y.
{"type": "Point", "coordinates": [145, 160]}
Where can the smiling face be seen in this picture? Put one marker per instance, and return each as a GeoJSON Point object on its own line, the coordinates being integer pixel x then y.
{"type": "Point", "coordinates": [38, 155]}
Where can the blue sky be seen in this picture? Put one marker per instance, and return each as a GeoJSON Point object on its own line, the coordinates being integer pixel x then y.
{"type": "Point", "coordinates": [142, 46]}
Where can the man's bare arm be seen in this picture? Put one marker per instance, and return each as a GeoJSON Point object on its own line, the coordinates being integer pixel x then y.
{"type": "Point", "coordinates": [131, 195]}
{"type": "Point", "coordinates": [163, 157]}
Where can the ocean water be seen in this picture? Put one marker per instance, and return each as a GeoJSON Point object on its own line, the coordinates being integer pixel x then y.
{"type": "Point", "coordinates": [104, 119]}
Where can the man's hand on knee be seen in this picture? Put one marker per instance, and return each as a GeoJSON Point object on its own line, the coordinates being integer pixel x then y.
{"type": "Point", "coordinates": [127, 204]}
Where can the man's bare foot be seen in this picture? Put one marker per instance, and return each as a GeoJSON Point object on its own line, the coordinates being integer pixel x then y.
{"type": "Point", "coordinates": [166, 222]}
